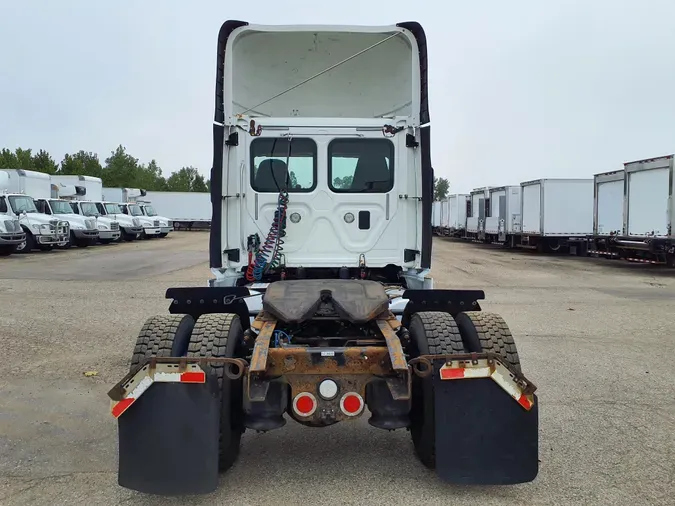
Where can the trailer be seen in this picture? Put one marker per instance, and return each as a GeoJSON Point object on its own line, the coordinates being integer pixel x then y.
{"type": "Point", "coordinates": [184, 209]}
{"type": "Point", "coordinates": [436, 217]}
{"type": "Point", "coordinates": [93, 186]}
{"type": "Point", "coordinates": [458, 208]}
{"type": "Point", "coordinates": [480, 210]}
{"type": "Point", "coordinates": [648, 213]}
{"type": "Point", "coordinates": [608, 190]}
{"type": "Point", "coordinates": [556, 215]}
{"type": "Point", "coordinates": [321, 309]}
{"type": "Point", "coordinates": [122, 195]}
{"type": "Point", "coordinates": [502, 225]}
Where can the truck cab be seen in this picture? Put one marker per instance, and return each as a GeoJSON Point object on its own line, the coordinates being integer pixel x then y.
{"type": "Point", "coordinates": [108, 229]}
{"type": "Point", "coordinates": [130, 227]}
{"type": "Point", "coordinates": [83, 230]}
{"type": "Point", "coordinates": [42, 231]}
{"type": "Point", "coordinates": [151, 225]}
{"type": "Point", "coordinates": [165, 224]}
{"type": "Point", "coordinates": [11, 233]}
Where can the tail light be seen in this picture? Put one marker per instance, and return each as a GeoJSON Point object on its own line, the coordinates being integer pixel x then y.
{"type": "Point", "coordinates": [351, 404]}
{"type": "Point", "coordinates": [304, 404]}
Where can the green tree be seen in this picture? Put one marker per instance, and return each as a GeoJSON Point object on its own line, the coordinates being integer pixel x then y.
{"type": "Point", "coordinates": [150, 177]}
{"type": "Point", "coordinates": [82, 163]}
{"type": "Point", "coordinates": [343, 182]}
{"type": "Point", "coordinates": [441, 188]}
{"type": "Point", "coordinates": [43, 162]}
{"type": "Point", "coordinates": [121, 169]}
{"type": "Point", "coordinates": [18, 159]}
{"type": "Point", "coordinates": [8, 159]}
{"type": "Point", "coordinates": [186, 179]}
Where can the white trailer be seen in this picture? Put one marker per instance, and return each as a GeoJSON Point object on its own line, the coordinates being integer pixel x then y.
{"type": "Point", "coordinates": [502, 225]}
{"type": "Point", "coordinates": [479, 210]}
{"type": "Point", "coordinates": [648, 212]}
{"type": "Point", "coordinates": [436, 217]}
{"type": "Point", "coordinates": [122, 195]}
{"type": "Point", "coordinates": [457, 205]}
{"type": "Point", "coordinates": [608, 189]}
{"type": "Point", "coordinates": [556, 214]}
{"type": "Point", "coordinates": [92, 185]}
{"type": "Point", "coordinates": [41, 231]}
{"type": "Point", "coordinates": [184, 209]}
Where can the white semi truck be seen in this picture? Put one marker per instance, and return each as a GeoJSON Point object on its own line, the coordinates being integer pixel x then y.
{"type": "Point", "coordinates": [83, 230]}
{"type": "Point", "coordinates": [165, 224]}
{"type": "Point", "coordinates": [322, 199]}
{"type": "Point", "coordinates": [126, 199]}
{"type": "Point", "coordinates": [41, 231]}
{"type": "Point", "coordinates": [128, 227]}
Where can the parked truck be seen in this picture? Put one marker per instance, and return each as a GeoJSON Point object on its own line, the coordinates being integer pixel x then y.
{"type": "Point", "coordinates": [608, 190]}
{"type": "Point", "coordinates": [41, 231]}
{"type": "Point", "coordinates": [165, 224]}
{"type": "Point", "coordinates": [321, 309]}
{"type": "Point", "coordinates": [83, 230]}
{"type": "Point", "coordinates": [648, 212]}
{"type": "Point", "coordinates": [502, 225]}
{"type": "Point", "coordinates": [93, 185]}
{"type": "Point", "coordinates": [127, 200]}
{"type": "Point", "coordinates": [130, 226]}
{"type": "Point", "coordinates": [556, 215]}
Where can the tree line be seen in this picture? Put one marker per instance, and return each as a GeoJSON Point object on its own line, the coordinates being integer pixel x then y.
{"type": "Point", "coordinates": [119, 170]}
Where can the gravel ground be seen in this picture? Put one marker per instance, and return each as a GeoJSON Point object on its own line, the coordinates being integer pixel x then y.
{"type": "Point", "coordinates": [592, 334]}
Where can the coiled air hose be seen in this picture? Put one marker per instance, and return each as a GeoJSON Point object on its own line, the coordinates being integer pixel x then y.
{"type": "Point", "coordinates": [268, 255]}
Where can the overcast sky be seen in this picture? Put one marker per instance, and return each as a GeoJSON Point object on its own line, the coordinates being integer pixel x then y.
{"type": "Point", "coordinates": [519, 90]}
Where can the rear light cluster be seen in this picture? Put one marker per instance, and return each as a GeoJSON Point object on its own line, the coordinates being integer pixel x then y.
{"type": "Point", "coordinates": [305, 403]}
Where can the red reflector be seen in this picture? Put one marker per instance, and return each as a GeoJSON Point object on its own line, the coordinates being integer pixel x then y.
{"type": "Point", "coordinates": [193, 377]}
{"type": "Point", "coordinates": [122, 406]}
{"type": "Point", "coordinates": [457, 372]}
{"type": "Point", "coordinates": [352, 404]}
{"type": "Point", "coordinates": [525, 402]}
{"type": "Point", "coordinates": [304, 404]}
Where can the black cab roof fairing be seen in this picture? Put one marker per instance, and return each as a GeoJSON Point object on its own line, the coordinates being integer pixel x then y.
{"type": "Point", "coordinates": [226, 30]}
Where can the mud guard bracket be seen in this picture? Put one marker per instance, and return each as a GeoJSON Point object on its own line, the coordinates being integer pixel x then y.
{"type": "Point", "coordinates": [483, 435]}
{"type": "Point", "coordinates": [168, 440]}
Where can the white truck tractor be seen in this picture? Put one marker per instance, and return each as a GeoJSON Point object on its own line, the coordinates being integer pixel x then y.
{"type": "Point", "coordinates": [11, 233]}
{"type": "Point", "coordinates": [165, 224]}
{"type": "Point", "coordinates": [130, 227]}
{"type": "Point", "coordinates": [108, 227]}
{"type": "Point", "coordinates": [83, 230]}
{"type": "Point", "coordinates": [42, 231]}
{"type": "Point", "coordinates": [151, 225]}
{"type": "Point", "coordinates": [321, 309]}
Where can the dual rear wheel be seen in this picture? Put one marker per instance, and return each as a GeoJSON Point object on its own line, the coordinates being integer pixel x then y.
{"type": "Point", "coordinates": [212, 335]}
{"type": "Point", "coordinates": [438, 333]}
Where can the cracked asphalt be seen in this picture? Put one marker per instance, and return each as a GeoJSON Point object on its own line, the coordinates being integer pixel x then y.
{"type": "Point", "coordinates": [595, 336]}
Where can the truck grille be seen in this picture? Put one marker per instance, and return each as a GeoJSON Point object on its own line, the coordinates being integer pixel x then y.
{"type": "Point", "coordinates": [136, 222]}
{"type": "Point", "coordinates": [157, 223]}
{"type": "Point", "coordinates": [13, 226]}
{"type": "Point", "coordinates": [114, 226]}
{"type": "Point", "coordinates": [59, 227]}
{"type": "Point", "coordinates": [90, 224]}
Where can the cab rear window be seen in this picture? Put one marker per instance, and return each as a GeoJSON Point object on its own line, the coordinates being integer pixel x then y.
{"type": "Point", "coordinates": [278, 164]}
{"type": "Point", "coordinates": [361, 165]}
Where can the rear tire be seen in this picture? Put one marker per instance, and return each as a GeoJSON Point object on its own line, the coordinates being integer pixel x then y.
{"type": "Point", "coordinates": [432, 333]}
{"type": "Point", "coordinates": [162, 336]}
{"type": "Point", "coordinates": [220, 335]}
{"type": "Point", "coordinates": [488, 333]}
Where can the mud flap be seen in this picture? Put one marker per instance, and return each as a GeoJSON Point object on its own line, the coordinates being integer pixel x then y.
{"type": "Point", "coordinates": [483, 436]}
{"type": "Point", "coordinates": [168, 440]}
